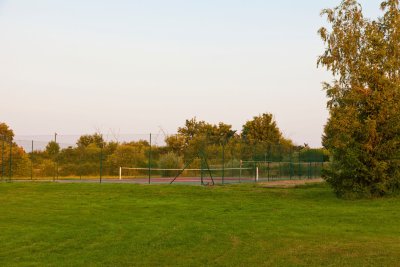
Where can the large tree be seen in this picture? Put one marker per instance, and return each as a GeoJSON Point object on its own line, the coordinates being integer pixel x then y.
{"type": "Point", "coordinates": [86, 140]}
{"type": "Point", "coordinates": [195, 133]}
{"type": "Point", "coordinates": [6, 133]}
{"type": "Point", "coordinates": [262, 128]}
{"type": "Point", "coordinates": [363, 131]}
{"type": "Point", "coordinates": [214, 133]}
{"type": "Point", "coordinates": [18, 158]}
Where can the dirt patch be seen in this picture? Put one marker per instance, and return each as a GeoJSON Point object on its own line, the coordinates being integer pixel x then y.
{"type": "Point", "coordinates": [290, 183]}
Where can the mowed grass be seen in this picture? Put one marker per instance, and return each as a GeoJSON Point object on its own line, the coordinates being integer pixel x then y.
{"type": "Point", "coordinates": [50, 224]}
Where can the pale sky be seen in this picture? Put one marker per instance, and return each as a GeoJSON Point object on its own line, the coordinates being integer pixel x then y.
{"type": "Point", "coordinates": [74, 67]}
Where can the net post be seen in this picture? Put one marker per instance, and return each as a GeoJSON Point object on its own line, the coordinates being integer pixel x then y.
{"type": "Point", "coordinates": [120, 173]}
{"type": "Point", "coordinates": [257, 174]}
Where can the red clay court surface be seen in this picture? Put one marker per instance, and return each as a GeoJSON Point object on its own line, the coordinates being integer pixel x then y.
{"type": "Point", "coordinates": [168, 180]}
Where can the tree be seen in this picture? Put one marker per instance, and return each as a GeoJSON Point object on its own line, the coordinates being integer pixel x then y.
{"type": "Point", "coordinates": [176, 143]}
{"type": "Point", "coordinates": [196, 135]}
{"type": "Point", "coordinates": [19, 159]}
{"type": "Point", "coordinates": [52, 148]}
{"type": "Point", "coordinates": [86, 140]}
{"type": "Point", "coordinates": [262, 128]}
{"type": "Point", "coordinates": [6, 132]}
{"type": "Point", "coordinates": [20, 162]}
{"type": "Point", "coordinates": [261, 139]}
{"type": "Point", "coordinates": [170, 161]}
{"type": "Point", "coordinates": [194, 129]}
{"type": "Point", "coordinates": [362, 132]}
{"type": "Point", "coordinates": [131, 154]}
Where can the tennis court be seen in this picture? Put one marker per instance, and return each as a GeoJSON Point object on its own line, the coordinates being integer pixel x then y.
{"type": "Point", "coordinates": [205, 177]}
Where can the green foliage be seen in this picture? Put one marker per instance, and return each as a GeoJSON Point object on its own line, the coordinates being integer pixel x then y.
{"type": "Point", "coordinates": [52, 149]}
{"type": "Point", "coordinates": [170, 161]}
{"type": "Point", "coordinates": [20, 162]}
{"type": "Point", "coordinates": [314, 155]}
{"type": "Point", "coordinates": [195, 130]}
{"type": "Point", "coordinates": [5, 132]}
{"type": "Point", "coordinates": [217, 143]}
{"type": "Point", "coordinates": [262, 128]}
{"type": "Point", "coordinates": [45, 168]}
{"type": "Point", "coordinates": [129, 155]}
{"type": "Point", "coordinates": [362, 133]}
{"type": "Point", "coordinates": [176, 143]}
{"type": "Point", "coordinates": [86, 140]}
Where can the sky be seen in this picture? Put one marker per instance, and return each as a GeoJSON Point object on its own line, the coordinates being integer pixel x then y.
{"type": "Point", "coordinates": [138, 66]}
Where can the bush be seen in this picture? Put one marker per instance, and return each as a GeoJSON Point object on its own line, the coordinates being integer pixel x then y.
{"type": "Point", "coordinates": [170, 161]}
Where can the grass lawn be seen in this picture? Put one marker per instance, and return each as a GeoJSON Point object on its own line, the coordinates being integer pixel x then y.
{"type": "Point", "coordinates": [50, 224]}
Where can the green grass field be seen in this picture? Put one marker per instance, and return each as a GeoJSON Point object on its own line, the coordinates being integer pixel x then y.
{"type": "Point", "coordinates": [46, 224]}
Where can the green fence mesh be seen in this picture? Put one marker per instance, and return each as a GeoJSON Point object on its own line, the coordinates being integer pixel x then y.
{"type": "Point", "coordinates": [156, 159]}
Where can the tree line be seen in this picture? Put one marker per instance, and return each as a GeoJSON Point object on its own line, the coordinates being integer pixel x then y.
{"type": "Point", "coordinates": [259, 140]}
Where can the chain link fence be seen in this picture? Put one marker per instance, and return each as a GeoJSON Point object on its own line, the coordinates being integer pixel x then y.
{"type": "Point", "coordinates": [155, 158]}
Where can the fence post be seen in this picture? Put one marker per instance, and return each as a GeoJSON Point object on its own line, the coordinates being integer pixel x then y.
{"type": "Point", "coordinates": [223, 162]}
{"type": "Point", "coordinates": [232, 165]}
{"type": "Point", "coordinates": [299, 167]}
{"type": "Point", "coordinates": [2, 157]}
{"type": "Point", "coordinates": [201, 172]}
{"type": "Point", "coordinates": [279, 168]}
{"type": "Point", "coordinates": [32, 161]}
{"type": "Point", "coordinates": [240, 171]}
{"type": "Point", "coordinates": [150, 161]}
{"type": "Point", "coordinates": [315, 170]}
{"type": "Point", "coordinates": [290, 167]}
{"type": "Point", "coordinates": [55, 159]}
{"type": "Point", "coordinates": [80, 163]}
{"type": "Point", "coordinates": [10, 171]}
{"type": "Point", "coordinates": [322, 168]}
{"type": "Point", "coordinates": [101, 163]}
{"type": "Point", "coordinates": [241, 159]}
{"type": "Point", "coordinates": [255, 170]}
